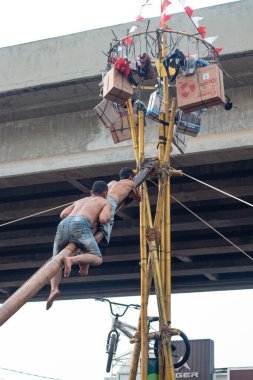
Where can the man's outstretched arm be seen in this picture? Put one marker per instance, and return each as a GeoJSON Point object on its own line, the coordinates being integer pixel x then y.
{"type": "Point", "coordinates": [105, 214]}
{"type": "Point", "coordinates": [135, 194]}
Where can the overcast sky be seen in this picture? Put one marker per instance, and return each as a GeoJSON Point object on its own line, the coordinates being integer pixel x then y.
{"type": "Point", "coordinates": [68, 341]}
{"type": "Point", "coordinates": [31, 20]}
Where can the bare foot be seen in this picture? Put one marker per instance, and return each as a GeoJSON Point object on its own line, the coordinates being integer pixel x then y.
{"type": "Point", "coordinates": [52, 296]}
{"type": "Point", "coordinates": [67, 266]}
{"type": "Point", "coordinates": [83, 269]}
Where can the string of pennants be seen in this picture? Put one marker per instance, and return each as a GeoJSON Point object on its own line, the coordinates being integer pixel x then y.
{"type": "Point", "coordinates": [165, 17]}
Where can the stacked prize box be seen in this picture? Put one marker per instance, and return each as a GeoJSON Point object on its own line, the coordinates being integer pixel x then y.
{"type": "Point", "coordinates": [120, 130]}
{"type": "Point", "coordinates": [116, 87]}
{"type": "Point", "coordinates": [107, 112]}
{"type": "Point", "coordinates": [189, 123]}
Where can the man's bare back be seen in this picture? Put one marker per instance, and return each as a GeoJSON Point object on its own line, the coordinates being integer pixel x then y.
{"type": "Point", "coordinates": [119, 190]}
{"type": "Point", "coordinates": [94, 208]}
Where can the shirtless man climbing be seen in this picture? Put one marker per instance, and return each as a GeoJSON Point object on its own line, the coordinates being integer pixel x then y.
{"type": "Point", "coordinates": [75, 227]}
{"type": "Point", "coordinates": [118, 191]}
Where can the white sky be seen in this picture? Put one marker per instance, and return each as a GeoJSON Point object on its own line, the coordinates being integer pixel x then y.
{"type": "Point", "coordinates": [30, 20]}
{"type": "Point", "coordinates": [68, 342]}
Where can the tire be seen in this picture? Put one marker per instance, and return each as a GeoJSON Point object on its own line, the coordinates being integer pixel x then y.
{"type": "Point", "coordinates": [111, 350]}
{"type": "Point", "coordinates": [186, 354]}
{"type": "Point", "coordinates": [187, 351]}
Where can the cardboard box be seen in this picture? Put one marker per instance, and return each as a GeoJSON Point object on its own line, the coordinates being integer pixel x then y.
{"type": "Point", "coordinates": [188, 123]}
{"type": "Point", "coordinates": [180, 140]}
{"type": "Point", "coordinates": [155, 106]}
{"type": "Point", "coordinates": [107, 112]}
{"type": "Point", "coordinates": [120, 130]}
{"type": "Point", "coordinates": [203, 89]}
{"type": "Point", "coordinates": [116, 87]}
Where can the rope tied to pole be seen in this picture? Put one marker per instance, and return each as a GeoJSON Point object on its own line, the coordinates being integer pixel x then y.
{"type": "Point", "coordinates": [211, 227]}
{"type": "Point", "coordinates": [153, 234]}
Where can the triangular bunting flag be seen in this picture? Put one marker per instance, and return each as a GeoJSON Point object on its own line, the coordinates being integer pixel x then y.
{"type": "Point", "coordinates": [189, 11]}
{"type": "Point", "coordinates": [164, 19]}
{"type": "Point", "coordinates": [139, 18]}
{"type": "Point", "coordinates": [196, 20]}
{"type": "Point", "coordinates": [165, 4]}
{"type": "Point", "coordinates": [133, 29]}
{"type": "Point", "coordinates": [210, 40]}
{"type": "Point", "coordinates": [202, 31]}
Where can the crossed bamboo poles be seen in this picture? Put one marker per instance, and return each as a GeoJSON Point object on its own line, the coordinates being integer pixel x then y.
{"type": "Point", "coordinates": [158, 263]}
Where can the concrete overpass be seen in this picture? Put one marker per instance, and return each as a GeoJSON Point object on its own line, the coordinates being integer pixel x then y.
{"type": "Point", "coordinates": [53, 147]}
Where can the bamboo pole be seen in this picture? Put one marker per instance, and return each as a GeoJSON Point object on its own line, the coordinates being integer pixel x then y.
{"type": "Point", "coordinates": [133, 130]}
{"type": "Point", "coordinates": [137, 345]}
{"type": "Point", "coordinates": [34, 284]}
{"type": "Point", "coordinates": [143, 255]}
{"type": "Point", "coordinates": [153, 249]}
{"type": "Point", "coordinates": [166, 227]}
{"type": "Point", "coordinates": [148, 217]}
{"type": "Point", "coordinates": [167, 216]}
{"type": "Point", "coordinates": [167, 248]}
{"type": "Point", "coordinates": [135, 356]}
{"type": "Point", "coordinates": [161, 158]}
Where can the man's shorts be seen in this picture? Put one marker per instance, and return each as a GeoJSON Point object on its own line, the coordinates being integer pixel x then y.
{"type": "Point", "coordinates": [75, 229]}
{"type": "Point", "coordinates": [107, 228]}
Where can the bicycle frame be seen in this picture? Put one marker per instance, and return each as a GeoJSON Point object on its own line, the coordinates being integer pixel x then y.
{"type": "Point", "coordinates": [127, 329]}
{"type": "Point", "coordinates": [130, 331]}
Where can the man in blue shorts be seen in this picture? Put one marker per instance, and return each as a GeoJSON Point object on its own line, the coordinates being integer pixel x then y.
{"type": "Point", "coordinates": [118, 191]}
{"type": "Point", "coordinates": [76, 227]}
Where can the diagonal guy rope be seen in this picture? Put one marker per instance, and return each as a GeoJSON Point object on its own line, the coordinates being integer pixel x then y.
{"type": "Point", "coordinates": [220, 191]}
{"type": "Point", "coordinates": [37, 213]}
{"type": "Point", "coordinates": [209, 225]}
{"type": "Point", "coordinates": [212, 228]}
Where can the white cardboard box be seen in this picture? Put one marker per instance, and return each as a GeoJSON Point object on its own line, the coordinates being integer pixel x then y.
{"type": "Point", "coordinates": [155, 105]}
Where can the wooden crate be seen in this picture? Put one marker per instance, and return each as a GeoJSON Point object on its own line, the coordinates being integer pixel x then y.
{"type": "Point", "coordinates": [120, 130]}
{"type": "Point", "coordinates": [116, 87]}
{"type": "Point", "coordinates": [107, 112]}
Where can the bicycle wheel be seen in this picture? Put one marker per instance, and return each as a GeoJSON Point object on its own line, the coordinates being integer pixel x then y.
{"type": "Point", "coordinates": [113, 341]}
{"type": "Point", "coordinates": [180, 348]}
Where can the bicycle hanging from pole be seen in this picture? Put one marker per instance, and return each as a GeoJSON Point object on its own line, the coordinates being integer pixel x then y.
{"type": "Point", "coordinates": [119, 326]}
